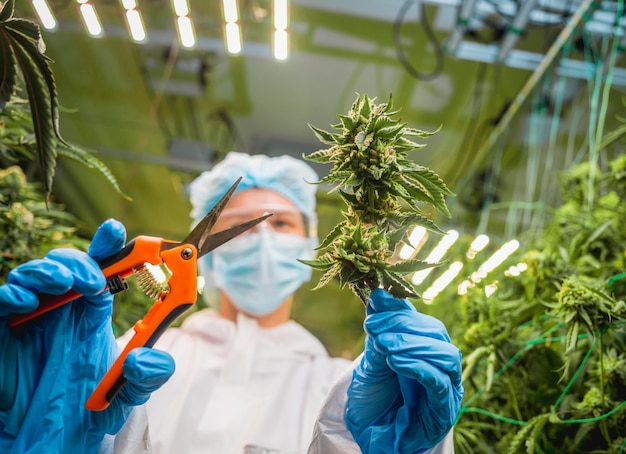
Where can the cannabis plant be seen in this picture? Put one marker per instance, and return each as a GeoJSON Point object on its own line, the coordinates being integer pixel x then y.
{"type": "Point", "coordinates": [383, 190]}
{"type": "Point", "coordinates": [545, 355]}
{"type": "Point", "coordinates": [28, 228]}
{"type": "Point", "coordinates": [25, 67]}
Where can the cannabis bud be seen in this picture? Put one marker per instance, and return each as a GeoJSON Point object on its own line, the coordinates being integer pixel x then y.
{"type": "Point", "coordinates": [383, 190]}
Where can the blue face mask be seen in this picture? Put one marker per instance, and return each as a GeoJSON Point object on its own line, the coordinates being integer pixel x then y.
{"type": "Point", "coordinates": [259, 270]}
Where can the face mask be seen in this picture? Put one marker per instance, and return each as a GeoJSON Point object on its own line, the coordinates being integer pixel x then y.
{"type": "Point", "coordinates": [260, 270]}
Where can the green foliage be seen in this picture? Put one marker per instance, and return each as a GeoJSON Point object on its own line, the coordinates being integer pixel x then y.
{"type": "Point", "coordinates": [545, 355]}
{"type": "Point", "coordinates": [24, 64]}
{"type": "Point", "coordinates": [383, 190]}
{"type": "Point", "coordinates": [29, 229]}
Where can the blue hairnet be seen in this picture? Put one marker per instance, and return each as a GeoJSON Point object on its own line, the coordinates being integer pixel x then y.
{"type": "Point", "coordinates": [286, 175]}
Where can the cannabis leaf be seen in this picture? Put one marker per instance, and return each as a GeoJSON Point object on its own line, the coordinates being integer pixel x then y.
{"type": "Point", "coordinates": [22, 53]}
{"type": "Point", "coordinates": [383, 190]}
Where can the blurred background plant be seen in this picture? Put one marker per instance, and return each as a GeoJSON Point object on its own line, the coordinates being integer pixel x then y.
{"type": "Point", "coordinates": [544, 351]}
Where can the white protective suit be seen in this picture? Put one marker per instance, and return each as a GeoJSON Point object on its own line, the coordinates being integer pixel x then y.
{"type": "Point", "coordinates": [242, 389]}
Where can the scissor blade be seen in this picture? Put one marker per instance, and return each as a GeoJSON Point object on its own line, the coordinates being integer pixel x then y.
{"type": "Point", "coordinates": [215, 240]}
{"type": "Point", "coordinates": [201, 231]}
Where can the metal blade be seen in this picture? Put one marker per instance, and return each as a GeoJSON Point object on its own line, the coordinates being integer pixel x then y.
{"type": "Point", "coordinates": [215, 240]}
{"type": "Point", "coordinates": [202, 230]}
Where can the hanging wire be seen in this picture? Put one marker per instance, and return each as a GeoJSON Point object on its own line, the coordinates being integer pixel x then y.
{"type": "Point", "coordinates": [402, 58]}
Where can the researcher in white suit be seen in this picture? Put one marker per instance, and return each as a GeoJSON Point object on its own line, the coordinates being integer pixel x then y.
{"type": "Point", "coordinates": [251, 380]}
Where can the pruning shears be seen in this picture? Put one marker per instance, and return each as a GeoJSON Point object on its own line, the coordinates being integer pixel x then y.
{"type": "Point", "coordinates": [171, 298]}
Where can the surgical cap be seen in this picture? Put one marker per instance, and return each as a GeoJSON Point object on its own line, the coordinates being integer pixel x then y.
{"type": "Point", "coordinates": [288, 176]}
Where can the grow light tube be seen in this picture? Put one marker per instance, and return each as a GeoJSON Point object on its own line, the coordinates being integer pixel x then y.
{"type": "Point", "coordinates": [90, 18]}
{"type": "Point", "coordinates": [45, 14]}
{"type": "Point", "coordinates": [479, 243]}
{"type": "Point", "coordinates": [281, 45]}
{"type": "Point", "coordinates": [436, 254]}
{"type": "Point", "coordinates": [184, 25]}
{"type": "Point", "coordinates": [134, 21]}
{"type": "Point", "coordinates": [232, 34]}
{"type": "Point", "coordinates": [442, 282]}
{"type": "Point", "coordinates": [495, 260]}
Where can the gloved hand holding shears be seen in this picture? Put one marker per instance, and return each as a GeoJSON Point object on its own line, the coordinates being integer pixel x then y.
{"type": "Point", "coordinates": [57, 343]}
{"type": "Point", "coordinates": [406, 392]}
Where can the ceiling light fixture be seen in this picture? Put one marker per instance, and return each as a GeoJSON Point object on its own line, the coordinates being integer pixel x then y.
{"type": "Point", "coordinates": [231, 27]}
{"type": "Point", "coordinates": [442, 282]}
{"type": "Point", "coordinates": [479, 243]}
{"type": "Point", "coordinates": [90, 18]}
{"type": "Point", "coordinates": [184, 25]}
{"type": "Point", "coordinates": [281, 45]}
{"type": "Point", "coordinates": [435, 255]}
{"type": "Point", "coordinates": [495, 260]}
{"type": "Point", "coordinates": [134, 21]}
{"type": "Point", "coordinates": [45, 14]}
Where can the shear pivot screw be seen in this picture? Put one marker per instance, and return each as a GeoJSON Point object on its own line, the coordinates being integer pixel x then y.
{"type": "Point", "coordinates": [186, 253]}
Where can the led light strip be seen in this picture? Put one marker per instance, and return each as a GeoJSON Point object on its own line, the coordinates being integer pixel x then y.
{"type": "Point", "coordinates": [232, 34]}
{"type": "Point", "coordinates": [134, 21]}
{"type": "Point", "coordinates": [184, 24]}
{"type": "Point", "coordinates": [90, 18]}
{"type": "Point", "coordinates": [45, 14]}
{"type": "Point", "coordinates": [281, 45]}
{"type": "Point", "coordinates": [435, 255]}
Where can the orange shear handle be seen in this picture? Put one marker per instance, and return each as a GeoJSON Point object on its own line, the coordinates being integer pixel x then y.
{"type": "Point", "coordinates": [140, 250]}
{"type": "Point", "coordinates": [182, 262]}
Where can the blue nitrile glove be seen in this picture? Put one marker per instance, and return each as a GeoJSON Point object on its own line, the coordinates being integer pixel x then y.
{"type": "Point", "coordinates": [406, 391]}
{"type": "Point", "coordinates": [50, 368]}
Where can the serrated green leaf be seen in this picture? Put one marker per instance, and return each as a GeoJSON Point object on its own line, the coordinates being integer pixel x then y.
{"type": "Point", "coordinates": [402, 144]}
{"type": "Point", "coordinates": [323, 136]}
{"type": "Point", "coordinates": [396, 285]}
{"type": "Point", "coordinates": [321, 263]}
{"type": "Point", "coordinates": [520, 438]}
{"type": "Point", "coordinates": [412, 191]}
{"type": "Point", "coordinates": [396, 235]}
{"type": "Point", "coordinates": [416, 219]}
{"type": "Point", "coordinates": [8, 72]}
{"type": "Point", "coordinates": [421, 132]}
{"type": "Point", "coordinates": [435, 192]}
{"type": "Point", "coordinates": [328, 276]}
{"type": "Point", "coordinates": [332, 236]}
{"type": "Point", "coordinates": [390, 132]}
{"type": "Point", "coordinates": [348, 275]}
{"type": "Point", "coordinates": [40, 111]}
{"type": "Point", "coordinates": [29, 35]}
{"type": "Point", "coordinates": [6, 12]}
{"type": "Point", "coordinates": [411, 266]}
{"type": "Point", "coordinates": [362, 292]}
{"type": "Point", "coordinates": [87, 159]}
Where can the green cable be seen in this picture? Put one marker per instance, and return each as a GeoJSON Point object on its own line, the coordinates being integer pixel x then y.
{"type": "Point", "coordinates": [542, 339]}
{"type": "Point", "coordinates": [597, 418]}
{"type": "Point", "coordinates": [493, 415]}
{"type": "Point", "coordinates": [580, 367]}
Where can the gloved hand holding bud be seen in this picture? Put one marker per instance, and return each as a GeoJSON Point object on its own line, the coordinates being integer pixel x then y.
{"type": "Point", "coordinates": [406, 392]}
